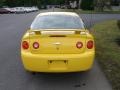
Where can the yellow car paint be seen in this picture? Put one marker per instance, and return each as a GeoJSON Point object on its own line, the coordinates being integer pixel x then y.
{"type": "Point", "coordinates": [65, 59]}
{"type": "Point", "coordinates": [57, 50]}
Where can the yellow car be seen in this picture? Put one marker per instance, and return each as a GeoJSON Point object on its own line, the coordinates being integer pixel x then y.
{"type": "Point", "coordinates": [57, 42]}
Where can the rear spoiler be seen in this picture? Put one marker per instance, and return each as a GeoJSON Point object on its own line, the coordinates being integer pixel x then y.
{"type": "Point", "coordinates": [55, 32]}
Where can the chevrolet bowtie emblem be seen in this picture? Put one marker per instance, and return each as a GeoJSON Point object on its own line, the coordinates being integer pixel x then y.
{"type": "Point", "coordinates": [57, 45]}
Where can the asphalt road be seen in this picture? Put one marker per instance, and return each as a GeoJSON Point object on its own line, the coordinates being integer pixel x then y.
{"type": "Point", "coordinates": [13, 75]}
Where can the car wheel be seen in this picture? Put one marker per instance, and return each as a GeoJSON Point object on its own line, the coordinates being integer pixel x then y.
{"type": "Point", "coordinates": [31, 72]}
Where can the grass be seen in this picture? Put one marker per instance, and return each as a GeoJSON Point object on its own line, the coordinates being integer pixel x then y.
{"type": "Point", "coordinates": [89, 12]}
{"type": "Point", "coordinates": [108, 51]}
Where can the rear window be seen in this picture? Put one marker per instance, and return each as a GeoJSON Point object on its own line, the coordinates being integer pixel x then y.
{"type": "Point", "coordinates": [57, 22]}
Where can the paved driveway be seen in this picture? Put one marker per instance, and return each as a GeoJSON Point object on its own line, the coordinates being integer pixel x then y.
{"type": "Point", "coordinates": [12, 74]}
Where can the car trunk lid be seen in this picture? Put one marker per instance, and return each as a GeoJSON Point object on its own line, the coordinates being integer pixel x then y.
{"type": "Point", "coordinates": [57, 42]}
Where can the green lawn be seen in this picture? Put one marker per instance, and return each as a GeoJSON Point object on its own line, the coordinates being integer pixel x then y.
{"type": "Point", "coordinates": [108, 51]}
{"type": "Point", "coordinates": [89, 12]}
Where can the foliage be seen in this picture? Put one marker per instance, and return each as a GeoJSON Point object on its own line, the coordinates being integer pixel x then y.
{"type": "Point", "coordinates": [87, 5]}
{"type": "Point", "coordinates": [13, 3]}
{"type": "Point", "coordinates": [2, 3]}
{"type": "Point", "coordinates": [101, 4]}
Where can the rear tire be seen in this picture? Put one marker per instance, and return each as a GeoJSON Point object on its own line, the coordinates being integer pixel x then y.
{"type": "Point", "coordinates": [31, 72]}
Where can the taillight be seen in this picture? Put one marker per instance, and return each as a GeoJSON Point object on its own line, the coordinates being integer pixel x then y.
{"type": "Point", "coordinates": [90, 44]}
{"type": "Point", "coordinates": [25, 45]}
{"type": "Point", "coordinates": [79, 45]}
{"type": "Point", "coordinates": [35, 45]}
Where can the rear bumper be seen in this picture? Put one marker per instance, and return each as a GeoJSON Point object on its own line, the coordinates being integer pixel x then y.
{"type": "Point", "coordinates": [40, 62]}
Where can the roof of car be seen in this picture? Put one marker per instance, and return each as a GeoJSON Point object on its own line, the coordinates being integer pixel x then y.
{"type": "Point", "coordinates": [58, 13]}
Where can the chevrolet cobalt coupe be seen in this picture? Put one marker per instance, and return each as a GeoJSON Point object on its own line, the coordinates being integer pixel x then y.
{"type": "Point", "coordinates": [57, 42]}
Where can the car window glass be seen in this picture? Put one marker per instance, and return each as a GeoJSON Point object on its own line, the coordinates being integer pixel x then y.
{"type": "Point", "coordinates": [57, 22]}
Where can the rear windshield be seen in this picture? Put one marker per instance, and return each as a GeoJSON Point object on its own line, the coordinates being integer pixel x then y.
{"type": "Point", "coordinates": [57, 22]}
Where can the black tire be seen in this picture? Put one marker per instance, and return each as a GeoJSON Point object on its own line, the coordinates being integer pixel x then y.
{"type": "Point", "coordinates": [31, 72]}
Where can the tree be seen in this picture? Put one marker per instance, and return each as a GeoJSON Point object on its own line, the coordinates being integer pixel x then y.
{"type": "Point", "coordinates": [87, 4]}
{"type": "Point", "coordinates": [13, 3]}
{"type": "Point", "coordinates": [101, 4]}
{"type": "Point", "coordinates": [2, 3]}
